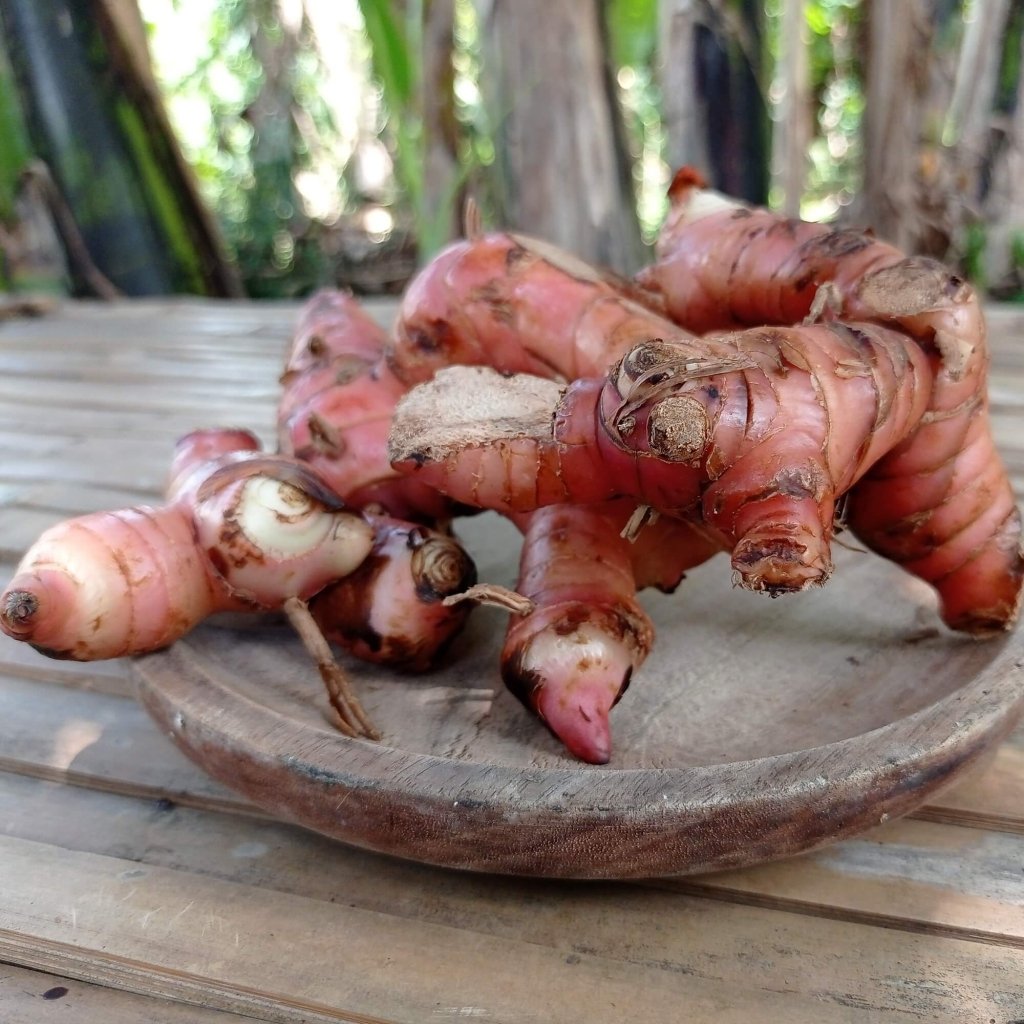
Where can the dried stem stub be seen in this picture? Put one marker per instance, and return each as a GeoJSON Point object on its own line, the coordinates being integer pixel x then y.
{"type": "Point", "coordinates": [352, 720]}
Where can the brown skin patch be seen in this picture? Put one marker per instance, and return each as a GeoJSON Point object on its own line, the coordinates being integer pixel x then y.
{"type": "Point", "coordinates": [983, 624]}
{"type": "Point", "coordinates": [645, 356]}
{"type": "Point", "coordinates": [178, 624]}
{"type": "Point", "coordinates": [343, 610]}
{"type": "Point", "coordinates": [852, 335]}
{"type": "Point", "coordinates": [774, 551]}
{"type": "Point", "coordinates": [835, 244]}
{"type": "Point", "coordinates": [798, 483]}
{"type": "Point", "coordinates": [347, 368]}
{"type": "Point", "coordinates": [437, 336]}
{"type": "Point", "coordinates": [804, 281]}
{"type": "Point", "coordinates": [325, 438]}
{"type": "Point", "coordinates": [123, 568]}
{"type": "Point", "coordinates": [235, 546]}
{"type": "Point", "coordinates": [492, 296]}
{"type": "Point", "coordinates": [283, 468]}
{"type": "Point", "coordinates": [776, 567]}
{"type": "Point", "coordinates": [401, 652]}
{"type": "Point", "coordinates": [524, 684]}
{"type": "Point", "coordinates": [572, 620]}
{"type": "Point", "coordinates": [218, 561]}
{"type": "Point", "coordinates": [422, 341]}
{"type": "Point", "coordinates": [616, 623]}
{"type": "Point", "coordinates": [516, 256]}
{"type": "Point", "coordinates": [795, 482]}
{"type": "Point", "coordinates": [51, 652]}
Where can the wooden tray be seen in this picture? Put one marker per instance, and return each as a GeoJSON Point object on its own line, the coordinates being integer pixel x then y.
{"type": "Point", "coordinates": [757, 729]}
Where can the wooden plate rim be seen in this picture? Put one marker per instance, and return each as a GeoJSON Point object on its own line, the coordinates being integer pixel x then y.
{"type": "Point", "coordinates": [547, 821]}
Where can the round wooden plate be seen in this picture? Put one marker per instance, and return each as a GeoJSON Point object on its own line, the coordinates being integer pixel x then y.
{"type": "Point", "coordinates": [756, 729]}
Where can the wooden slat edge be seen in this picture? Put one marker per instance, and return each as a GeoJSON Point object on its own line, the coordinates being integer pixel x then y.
{"type": "Point", "coordinates": [150, 929]}
{"type": "Point", "coordinates": [30, 996]}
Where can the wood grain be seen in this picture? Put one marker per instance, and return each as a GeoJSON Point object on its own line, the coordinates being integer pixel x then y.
{"type": "Point", "coordinates": [990, 796]}
{"type": "Point", "coordinates": [906, 874]}
{"type": "Point", "coordinates": [947, 881]}
{"type": "Point", "coordinates": [164, 932]}
{"type": "Point", "coordinates": [28, 997]}
{"type": "Point", "coordinates": [102, 742]}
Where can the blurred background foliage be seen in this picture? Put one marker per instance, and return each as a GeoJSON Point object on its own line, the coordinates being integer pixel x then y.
{"type": "Point", "coordinates": [267, 147]}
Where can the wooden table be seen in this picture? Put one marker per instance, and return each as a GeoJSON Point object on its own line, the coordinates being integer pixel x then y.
{"type": "Point", "coordinates": [131, 885]}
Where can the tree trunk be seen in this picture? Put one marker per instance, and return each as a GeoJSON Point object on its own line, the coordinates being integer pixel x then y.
{"type": "Point", "coordinates": [1003, 178]}
{"type": "Point", "coordinates": [561, 168]}
{"type": "Point", "coordinates": [15, 151]}
{"type": "Point", "coordinates": [125, 15]}
{"type": "Point", "coordinates": [716, 117]}
{"type": "Point", "coordinates": [792, 134]}
{"type": "Point", "coordinates": [899, 41]}
{"type": "Point", "coordinates": [99, 125]}
{"type": "Point", "coordinates": [441, 177]}
{"type": "Point", "coordinates": [970, 109]}
{"type": "Point", "coordinates": [275, 45]}
{"type": "Point", "coordinates": [685, 120]}
{"type": "Point", "coordinates": [929, 129]}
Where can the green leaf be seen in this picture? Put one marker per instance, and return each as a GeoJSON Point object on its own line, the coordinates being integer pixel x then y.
{"type": "Point", "coordinates": [632, 31]}
{"type": "Point", "coordinates": [14, 151]}
{"type": "Point", "coordinates": [818, 19]}
{"type": "Point", "coordinates": [393, 58]}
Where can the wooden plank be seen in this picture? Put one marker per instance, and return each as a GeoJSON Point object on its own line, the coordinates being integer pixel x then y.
{"type": "Point", "coordinates": [223, 361]}
{"type": "Point", "coordinates": [170, 313]}
{"type": "Point", "coordinates": [911, 877]}
{"type": "Point", "coordinates": [21, 527]}
{"type": "Point", "coordinates": [215, 359]}
{"type": "Point", "coordinates": [119, 463]}
{"type": "Point", "coordinates": [237, 947]}
{"type": "Point", "coordinates": [72, 497]}
{"type": "Point", "coordinates": [161, 431]}
{"type": "Point", "coordinates": [151, 399]}
{"type": "Point", "coordinates": [28, 997]}
{"type": "Point", "coordinates": [108, 677]}
{"type": "Point", "coordinates": [938, 878]}
{"type": "Point", "coordinates": [102, 742]}
{"type": "Point", "coordinates": [991, 796]}
{"type": "Point", "coordinates": [228, 364]}
{"type": "Point", "coordinates": [67, 497]}
{"type": "Point", "coordinates": [732, 941]}
{"type": "Point", "coordinates": [107, 744]}
{"type": "Point", "coordinates": [918, 878]}
{"type": "Point", "coordinates": [184, 315]}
